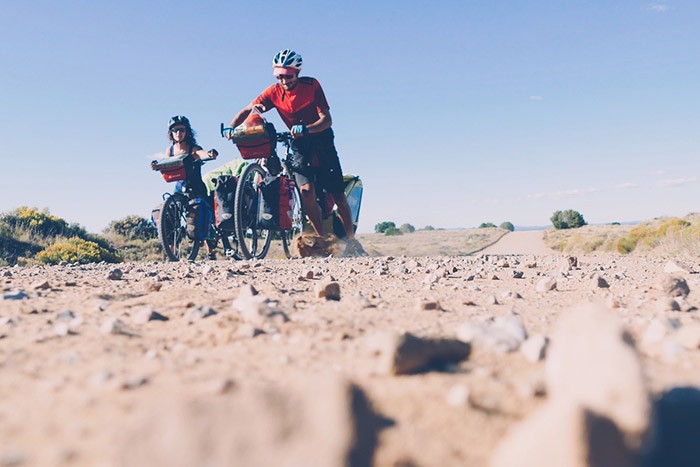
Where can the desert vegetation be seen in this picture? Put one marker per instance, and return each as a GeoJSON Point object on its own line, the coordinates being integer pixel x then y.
{"type": "Point", "coordinates": [76, 250]}
{"type": "Point", "coordinates": [662, 236]}
{"type": "Point", "coordinates": [504, 225]}
{"type": "Point", "coordinates": [135, 238]}
{"type": "Point", "coordinates": [32, 236]}
{"type": "Point", "coordinates": [25, 232]}
{"type": "Point", "coordinates": [568, 219]}
{"type": "Point", "coordinates": [389, 228]}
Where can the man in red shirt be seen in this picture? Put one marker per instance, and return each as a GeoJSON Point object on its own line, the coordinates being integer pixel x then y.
{"type": "Point", "coordinates": [302, 105]}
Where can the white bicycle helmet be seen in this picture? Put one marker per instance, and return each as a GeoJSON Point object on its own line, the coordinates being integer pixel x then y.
{"type": "Point", "coordinates": [287, 58]}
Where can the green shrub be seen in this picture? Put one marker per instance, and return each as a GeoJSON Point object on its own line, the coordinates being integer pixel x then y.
{"type": "Point", "coordinates": [37, 222]}
{"type": "Point", "coordinates": [428, 227]}
{"type": "Point", "coordinates": [393, 231]}
{"type": "Point", "coordinates": [12, 249]}
{"type": "Point", "coordinates": [487, 225]}
{"type": "Point", "coordinates": [76, 250]}
{"type": "Point", "coordinates": [132, 228]}
{"type": "Point", "coordinates": [507, 226]}
{"type": "Point", "coordinates": [25, 231]}
{"type": "Point", "coordinates": [139, 250]}
{"type": "Point", "coordinates": [383, 226]}
{"type": "Point", "coordinates": [568, 219]}
{"type": "Point", "coordinates": [407, 228]}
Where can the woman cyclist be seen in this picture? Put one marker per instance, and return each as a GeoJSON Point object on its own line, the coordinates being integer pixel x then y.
{"type": "Point", "coordinates": [182, 139]}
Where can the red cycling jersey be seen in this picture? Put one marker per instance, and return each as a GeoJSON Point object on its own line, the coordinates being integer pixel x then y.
{"type": "Point", "coordinates": [300, 105]}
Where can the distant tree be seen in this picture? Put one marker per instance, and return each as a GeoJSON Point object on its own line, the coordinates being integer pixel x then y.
{"type": "Point", "coordinates": [383, 226]}
{"type": "Point", "coordinates": [393, 231]}
{"type": "Point", "coordinates": [487, 225]}
{"type": "Point", "coordinates": [407, 228]}
{"type": "Point", "coordinates": [507, 226]}
{"type": "Point", "coordinates": [614, 223]}
{"type": "Point", "coordinates": [428, 227]}
{"type": "Point", "coordinates": [568, 219]}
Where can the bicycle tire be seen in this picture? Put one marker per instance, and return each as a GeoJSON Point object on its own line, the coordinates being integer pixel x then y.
{"type": "Point", "coordinates": [298, 218]}
{"type": "Point", "coordinates": [252, 241]}
{"type": "Point", "coordinates": [172, 230]}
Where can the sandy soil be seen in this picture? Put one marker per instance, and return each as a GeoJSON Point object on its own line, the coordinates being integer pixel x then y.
{"type": "Point", "coordinates": [76, 386]}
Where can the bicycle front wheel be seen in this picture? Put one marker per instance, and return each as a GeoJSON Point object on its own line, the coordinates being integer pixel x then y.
{"type": "Point", "coordinates": [298, 218]}
{"type": "Point", "coordinates": [172, 230]}
{"type": "Point", "coordinates": [253, 241]}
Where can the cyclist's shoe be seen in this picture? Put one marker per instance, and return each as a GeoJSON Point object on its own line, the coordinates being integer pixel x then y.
{"type": "Point", "coordinates": [354, 248]}
{"type": "Point", "coordinates": [211, 256]}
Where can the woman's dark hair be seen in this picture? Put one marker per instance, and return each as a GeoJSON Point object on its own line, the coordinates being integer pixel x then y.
{"type": "Point", "coordinates": [190, 136]}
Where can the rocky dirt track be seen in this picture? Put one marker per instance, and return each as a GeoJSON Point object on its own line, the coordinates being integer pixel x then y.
{"type": "Point", "coordinates": [184, 364]}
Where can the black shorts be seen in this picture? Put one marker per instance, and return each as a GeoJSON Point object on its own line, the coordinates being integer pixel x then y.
{"type": "Point", "coordinates": [328, 175]}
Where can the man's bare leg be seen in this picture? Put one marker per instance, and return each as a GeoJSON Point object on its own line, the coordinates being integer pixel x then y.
{"type": "Point", "coordinates": [313, 210]}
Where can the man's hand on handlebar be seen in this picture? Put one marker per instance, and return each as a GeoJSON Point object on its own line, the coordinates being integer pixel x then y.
{"type": "Point", "coordinates": [213, 153]}
{"type": "Point", "coordinates": [299, 130]}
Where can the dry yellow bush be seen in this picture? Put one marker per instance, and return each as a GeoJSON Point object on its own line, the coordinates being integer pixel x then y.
{"type": "Point", "coordinates": [663, 236]}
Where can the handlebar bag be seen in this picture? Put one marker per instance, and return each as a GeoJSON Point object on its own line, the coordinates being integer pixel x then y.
{"type": "Point", "coordinates": [172, 168]}
{"type": "Point", "coordinates": [253, 138]}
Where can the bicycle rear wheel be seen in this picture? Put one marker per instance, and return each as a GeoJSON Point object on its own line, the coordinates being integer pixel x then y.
{"type": "Point", "coordinates": [298, 218]}
{"type": "Point", "coordinates": [172, 230]}
{"type": "Point", "coordinates": [253, 242]}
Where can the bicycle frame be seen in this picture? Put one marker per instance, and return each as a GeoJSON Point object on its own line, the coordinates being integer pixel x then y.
{"type": "Point", "coordinates": [262, 168]}
{"type": "Point", "coordinates": [185, 197]}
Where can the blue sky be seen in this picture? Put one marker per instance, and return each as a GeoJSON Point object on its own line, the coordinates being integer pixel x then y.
{"type": "Point", "coordinates": [454, 113]}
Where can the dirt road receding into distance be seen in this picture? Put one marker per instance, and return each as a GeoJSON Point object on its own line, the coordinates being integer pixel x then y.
{"type": "Point", "coordinates": [528, 242]}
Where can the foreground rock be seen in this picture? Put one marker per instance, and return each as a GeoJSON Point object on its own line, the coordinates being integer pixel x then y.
{"type": "Point", "coordinates": [405, 354]}
{"type": "Point", "coordinates": [562, 434]}
{"type": "Point", "coordinates": [598, 412]}
{"type": "Point", "coordinates": [592, 362]}
{"type": "Point", "coordinates": [324, 422]}
{"type": "Point", "coordinates": [504, 334]}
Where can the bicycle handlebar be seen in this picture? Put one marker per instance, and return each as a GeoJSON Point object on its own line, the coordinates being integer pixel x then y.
{"type": "Point", "coordinates": [284, 137]}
